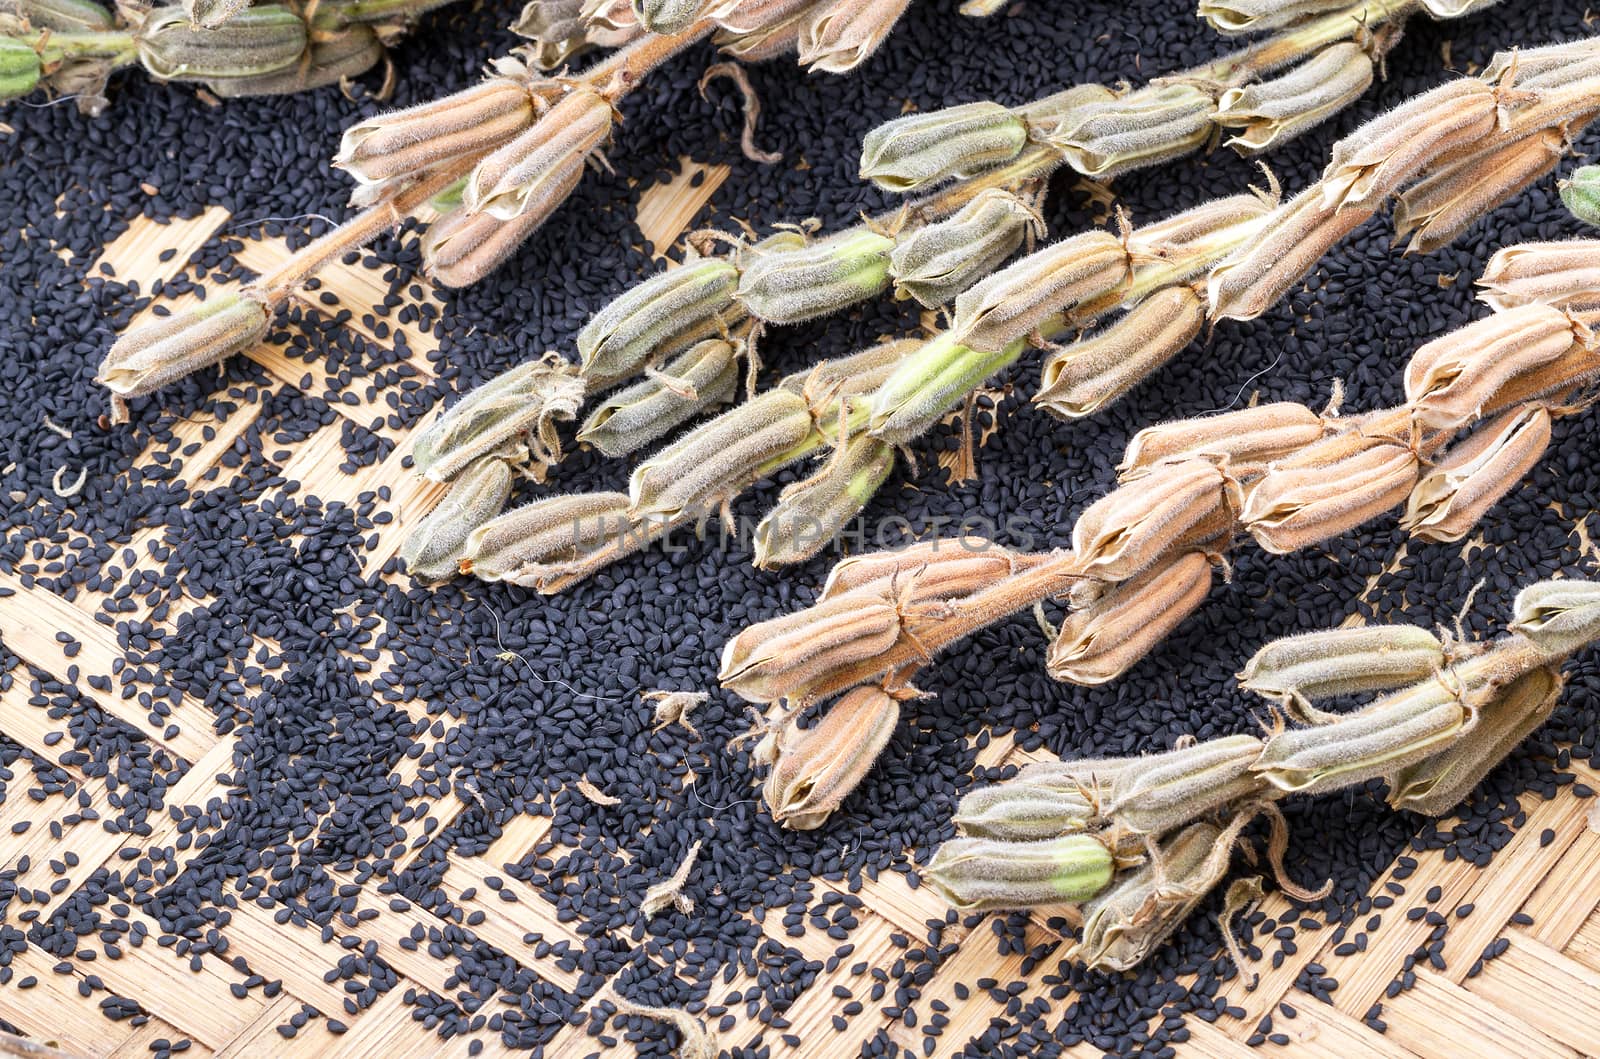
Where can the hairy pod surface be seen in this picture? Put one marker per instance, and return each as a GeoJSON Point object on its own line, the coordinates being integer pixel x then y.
{"type": "Point", "coordinates": [403, 142]}
{"type": "Point", "coordinates": [919, 150]}
{"type": "Point", "coordinates": [1248, 439]}
{"type": "Point", "coordinates": [1471, 477]}
{"type": "Point", "coordinates": [982, 874]}
{"type": "Point", "coordinates": [702, 377]}
{"type": "Point", "coordinates": [1298, 671]}
{"type": "Point", "coordinates": [1450, 380]}
{"type": "Point", "coordinates": [1297, 504]}
{"type": "Point", "coordinates": [166, 349]}
{"type": "Point", "coordinates": [1159, 793]}
{"type": "Point", "coordinates": [1104, 640]}
{"type": "Point", "coordinates": [1143, 128]}
{"type": "Point", "coordinates": [1232, 17]}
{"type": "Point", "coordinates": [810, 513]}
{"type": "Point", "coordinates": [255, 41]}
{"type": "Point", "coordinates": [1080, 379]}
{"type": "Point", "coordinates": [943, 568]}
{"type": "Point", "coordinates": [460, 248]}
{"type": "Point", "coordinates": [1580, 194]}
{"type": "Point", "coordinates": [840, 34]}
{"type": "Point", "coordinates": [1439, 208]}
{"type": "Point", "coordinates": [1172, 509]}
{"type": "Point", "coordinates": [935, 263]}
{"type": "Point", "coordinates": [929, 383]}
{"type": "Point", "coordinates": [522, 401]}
{"type": "Point", "coordinates": [527, 543]}
{"type": "Point", "coordinates": [1289, 244]}
{"type": "Point", "coordinates": [658, 317]}
{"type": "Point", "coordinates": [782, 657]}
{"type": "Point", "coordinates": [1558, 617]}
{"type": "Point", "coordinates": [817, 768]}
{"type": "Point", "coordinates": [433, 548]}
{"type": "Point", "coordinates": [668, 16]}
{"type": "Point", "coordinates": [19, 68]}
{"type": "Point", "coordinates": [1014, 302]}
{"type": "Point", "coordinates": [1563, 274]}
{"type": "Point", "coordinates": [533, 173]}
{"type": "Point", "coordinates": [329, 57]}
{"type": "Point", "coordinates": [1188, 233]}
{"type": "Point", "coordinates": [1266, 114]}
{"type": "Point", "coordinates": [786, 286]}
{"type": "Point", "coordinates": [1019, 811]}
{"type": "Point", "coordinates": [857, 373]}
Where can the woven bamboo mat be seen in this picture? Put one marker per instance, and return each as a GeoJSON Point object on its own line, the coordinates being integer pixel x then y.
{"type": "Point", "coordinates": [1536, 999]}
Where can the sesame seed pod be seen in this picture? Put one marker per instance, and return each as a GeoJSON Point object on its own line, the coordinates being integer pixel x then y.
{"type": "Point", "coordinates": [1558, 617]}
{"type": "Point", "coordinates": [840, 34]}
{"type": "Point", "coordinates": [329, 58]}
{"type": "Point", "coordinates": [982, 874]}
{"type": "Point", "coordinates": [697, 472]}
{"type": "Point", "coordinates": [1448, 202]}
{"type": "Point", "coordinates": [935, 263]}
{"type": "Point", "coordinates": [655, 318]}
{"type": "Point", "coordinates": [402, 142]}
{"type": "Point", "coordinates": [919, 150]}
{"type": "Point", "coordinates": [1472, 477]}
{"type": "Point", "coordinates": [750, 16]}
{"type": "Point", "coordinates": [524, 543]}
{"type": "Point", "coordinates": [758, 45]}
{"type": "Point", "coordinates": [460, 248]}
{"type": "Point", "coordinates": [1098, 644]}
{"type": "Point", "coordinates": [943, 568]}
{"type": "Point", "coordinates": [209, 14]}
{"type": "Point", "coordinates": [551, 21]}
{"type": "Point", "coordinates": [1080, 379]}
{"type": "Point", "coordinates": [1233, 17]}
{"type": "Point", "coordinates": [166, 349]}
{"type": "Point", "coordinates": [1451, 379]}
{"type": "Point", "coordinates": [1017, 811]}
{"type": "Point", "coordinates": [563, 29]}
{"type": "Point", "coordinates": [1133, 526]}
{"type": "Point", "coordinates": [1580, 193]}
{"type": "Point", "coordinates": [1270, 113]}
{"type": "Point", "coordinates": [1374, 161]}
{"type": "Point", "coordinates": [788, 286]}
{"type": "Point", "coordinates": [257, 41]}
{"type": "Point", "coordinates": [1096, 774]}
{"type": "Point", "coordinates": [810, 513]}
{"type": "Point", "coordinates": [1564, 274]}
{"type": "Point", "coordinates": [1129, 921]}
{"type": "Point", "coordinates": [19, 69]}
{"type": "Point", "coordinates": [523, 401]}
{"type": "Point", "coordinates": [785, 656]}
{"type": "Point", "coordinates": [703, 377]}
{"type": "Point", "coordinates": [1195, 232]}
{"type": "Point", "coordinates": [1438, 784]}
{"type": "Point", "coordinates": [1143, 128]}
{"type": "Point", "coordinates": [1059, 278]}
{"type": "Point", "coordinates": [929, 383]}
{"type": "Point", "coordinates": [1397, 730]}
{"type": "Point", "coordinates": [668, 16]}
{"type": "Point", "coordinates": [1248, 439]}
{"type": "Point", "coordinates": [857, 373]}
{"type": "Point", "coordinates": [1544, 66]}
{"type": "Point", "coordinates": [63, 16]}
{"type": "Point", "coordinates": [1294, 506]}
{"type": "Point", "coordinates": [533, 173]}
{"type": "Point", "coordinates": [1166, 791]}
{"type": "Point", "coordinates": [1298, 671]}
{"type": "Point", "coordinates": [1291, 241]}
{"type": "Point", "coordinates": [818, 767]}
{"type": "Point", "coordinates": [432, 549]}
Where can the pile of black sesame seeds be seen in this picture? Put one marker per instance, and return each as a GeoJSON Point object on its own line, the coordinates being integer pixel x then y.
{"type": "Point", "coordinates": [251, 600]}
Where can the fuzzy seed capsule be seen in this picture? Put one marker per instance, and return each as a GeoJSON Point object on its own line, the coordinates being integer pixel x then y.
{"type": "Point", "coordinates": [982, 874]}
{"type": "Point", "coordinates": [1558, 617]}
{"type": "Point", "coordinates": [1233, 17]}
{"type": "Point", "coordinates": [1580, 193]}
{"type": "Point", "coordinates": [817, 768]}
{"type": "Point", "coordinates": [1289, 244]}
{"type": "Point", "coordinates": [403, 142]}
{"type": "Point", "coordinates": [209, 14]}
{"type": "Point", "coordinates": [460, 248]}
{"type": "Point", "coordinates": [1143, 128]}
{"type": "Point", "coordinates": [841, 34]}
{"type": "Point", "coordinates": [1248, 439]}
{"type": "Point", "coordinates": [19, 69]}
{"type": "Point", "coordinates": [1022, 811]}
{"type": "Point", "coordinates": [330, 57]}
{"type": "Point", "coordinates": [1158, 793]}
{"type": "Point", "coordinates": [811, 513]}
{"type": "Point", "coordinates": [164, 350]}
{"type": "Point", "coordinates": [62, 16]}
{"type": "Point", "coordinates": [534, 172]}
{"type": "Point", "coordinates": [668, 16]}
{"type": "Point", "coordinates": [1446, 203]}
{"type": "Point", "coordinates": [937, 262]}
{"type": "Point", "coordinates": [1060, 278]}
{"type": "Point", "coordinates": [564, 29]}
{"type": "Point", "coordinates": [942, 568]}
{"type": "Point", "coordinates": [782, 657]}
{"type": "Point", "coordinates": [524, 401]}
{"type": "Point", "coordinates": [1438, 784]}
{"type": "Point", "coordinates": [658, 317]}
{"type": "Point", "coordinates": [256, 41]}
{"type": "Point", "coordinates": [1267, 114]}
{"type": "Point", "coordinates": [1193, 233]}
{"type": "Point", "coordinates": [1451, 380]}
{"type": "Point", "coordinates": [763, 38]}
{"type": "Point", "coordinates": [787, 286]}
{"type": "Point", "coordinates": [919, 150]}
{"type": "Point", "coordinates": [1471, 477]}
{"type": "Point", "coordinates": [1563, 274]}
{"type": "Point", "coordinates": [1084, 377]}
{"type": "Point", "coordinates": [1298, 671]}
{"type": "Point", "coordinates": [1293, 507]}
{"type": "Point", "coordinates": [1113, 633]}
{"type": "Point", "coordinates": [857, 373]}
{"type": "Point", "coordinates": [702, 377]}
{"type": "Point", "coordinates": [433, 548]}
{"type": "Point", "coordinates": [528, 544]}
{"type": "Point", "coordinates": [1174, 508]}
{"type": "Point", "coordinates": [931, 382]}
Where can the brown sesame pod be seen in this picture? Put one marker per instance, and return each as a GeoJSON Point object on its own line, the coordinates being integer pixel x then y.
{"type": "Point", "coordinates": [1558, 617]}
{"type": "Point", "coordinates": [943, 568]}
{"type": "Point", "coordinates": [1293, 507]}
{"type": "Point", "coordinates": [460, 248]}
{"type": "Point", "coordinates": [1190, 233]}
{"type": "Point", "coordinates": [1563, 274]}
{"type": "Point", "coordinates": [527, 542]}
{"type": "Point", "coordinates": [1253, 278]}
{"type": "Point", "coordinates": [1159, 793]}
{"type": "Point", "coordinates": [1080, 379]}
{"type": "Point", "coordinates": [816, 768]}
{"type": "Point", "coordinates": [1232, 17]}
{"type": "Point", "coordinates": [780, 37]}
{"type": "Point", "coordinates": [1450, 380]}
{"type": "Point", "coordinates": [1448, 202]}
{"type": "Point", "coordinates": [1248, 439]}
{"type": "Point", "coordinates": [523, 401]}
{"type": "Point", "coordinates": [1134, 526]}
{"type": "Point", "coordinates": [702, 377]}
{"type": "Point", "coordinates": [1267, 114]}
{"type": "Point", "coordinates": [534, 172]}
{"type": "Point", "coordinates": [839, 35]}
{"type": "Point", "coordinates": [1098, 644]}
{"type": "Point", "coordinates": [1298, 671]}
{"type": "Point", "coordinates": [983, 874]}
{"type": "Point", "coordinates": [1143, 128]}
{"type": "Point", "coordinates": [403, 142]}
{"type": "Point", "coordinates": [810, 513]}
{"type": "Point", "coordinates": [433, 548]}
{"type": "Point", "coordinates": [782, 657]}
{"type": "Point", "coordinates": [1472, 477]}
{"type": "Point", "coordinates": [1059, 278]}
{"type": "Point", "coordinates": [1435, 785]}
{"type": "Point", "coordinates": [166, 349]}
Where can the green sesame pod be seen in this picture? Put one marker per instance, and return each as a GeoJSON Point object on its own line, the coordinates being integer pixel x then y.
{"type": "Point", "coordinates": [704, 376]}
{"type": "Point", "coordinates": [258, 41]}
{"type": "Point", "coordinates": [432, 549]}
{"type": "Point", "coordinates": [663, 314]}
{"type": "Point", "coordinates": [1129, 921]}
{"type": "Point", "coordinates": [918, 150]}
{"type": "Point", "coordinates": [530, 541]}
{"type": "Point", "coordinates": [1316, 666]}
{"type": "Point", "coordinates": [1580, 193]}
{"type": "Point", "coordinates": [63, 16]}
{"type": "Point", "coordinates": [810, 513]}
{"type": "Point", "coordinates": [935, 263]}
{"type": "Point", "coordinates": [349, 52]}
{"type": "Point", "coordinates": [1558, 616]}
{"type": "Point", "coordinates": [19, 69]}
{"type": "Point", "coordinates": [1157, 794]}
{"type": "Point", "coordinates": [523, 400]}
{"type": "Point", "coordinates": [857, 373]}
{"type": "Point", "coordinates": [1025, 812]}
{"type": "Point", "coordinates": [981, 874]}
{"type": "Point", "coordinates": [788, 286]}
{"type": "Point", "coordinates": [931, 382]}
